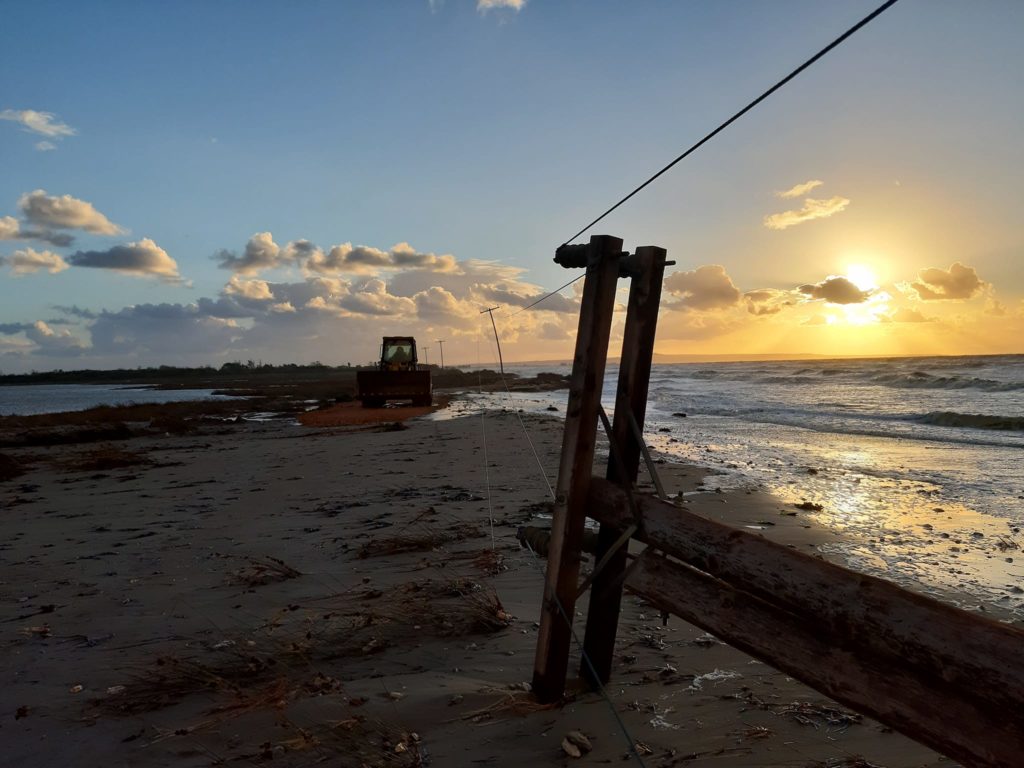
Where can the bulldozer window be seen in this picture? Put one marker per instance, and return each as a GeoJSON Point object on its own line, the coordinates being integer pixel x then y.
{"type": "Point", "coordinates": [398, 353]}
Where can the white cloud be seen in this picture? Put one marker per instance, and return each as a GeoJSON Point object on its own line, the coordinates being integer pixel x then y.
{"type": "Point", "coordinates": [800, 190]}
{"type": "Point", "coordinates": [45, 146]}
{"type": "Point", "coordinates": [142, 259]}
{"type": "Point", "coordinates": [707, 287]}
{"type": "Point", "coordinates": [43, 123]}
{"type": "Point", "coordinates": [258, 290]}
{"type": "Point", "coordinates": [487, 5]}
{"type": "Point", "coordinates": [65, 212]}
{"type": "Point", "coordinates": [812, 209]}
{"type": "Point", "coordinates": [10, 229]}
{"type": "Point", "coordinates": [373, 298]}
{"type": "Point", "coordinates": [324, 316]}
{"type": "Point", "coordinates": [29, 260]}
{"type": "Point", "coordinates": [53, 342]}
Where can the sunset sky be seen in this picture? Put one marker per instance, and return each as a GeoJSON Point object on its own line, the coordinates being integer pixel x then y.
{"type": "Point", "coordinates": [201, 182]}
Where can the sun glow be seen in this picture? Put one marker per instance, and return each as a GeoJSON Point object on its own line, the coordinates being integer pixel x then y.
{"type": "Point", "coordinates": [862, 276]}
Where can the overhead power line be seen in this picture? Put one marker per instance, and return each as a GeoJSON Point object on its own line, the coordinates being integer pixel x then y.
{"type": "Point", "coordinates": [549, 295]}
{"type": "Point", "coordinates": [828, 48]}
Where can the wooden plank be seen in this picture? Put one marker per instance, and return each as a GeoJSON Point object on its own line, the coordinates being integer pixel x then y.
{"type": "Point", "coordinates": [576, 468]}
{"type": "Point", "coordinates": [648, 270]}
{"type": "Point", "coordinates": [948, 716]}
{"type": "Point", "coordinates": [980, 657]}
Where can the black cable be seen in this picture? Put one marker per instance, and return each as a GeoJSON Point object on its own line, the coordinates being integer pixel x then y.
{"type": "Point", "coordinates": [870, 17]}
{"type": "Point", "coordinates": [547, 296]}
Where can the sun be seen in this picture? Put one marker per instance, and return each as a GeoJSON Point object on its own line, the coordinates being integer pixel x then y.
{"type": "Point", "coordinates": [862, 276]}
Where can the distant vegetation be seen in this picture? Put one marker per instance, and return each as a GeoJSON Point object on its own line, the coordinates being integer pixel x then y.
{"type": "Point", "coordinates": [166, 374]}
{"type": "Point", "coordinates": [280, 389]}
{"type": "Point", "coordinates": [312, 381]}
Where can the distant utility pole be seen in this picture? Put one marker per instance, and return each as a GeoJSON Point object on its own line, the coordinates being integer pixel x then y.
{"type": "Point", "coordinates": [426, 357]}
{"type": "Point", "coordinates": [440, 344]}
{"type": "Point", "coordinates": [500, 361]}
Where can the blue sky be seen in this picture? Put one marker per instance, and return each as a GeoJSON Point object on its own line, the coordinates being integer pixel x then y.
{"type": "Point", "coordinates": [492, 135]}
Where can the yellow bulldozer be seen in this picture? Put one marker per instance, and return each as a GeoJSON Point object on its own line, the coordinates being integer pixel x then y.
{"type": "Point", "coordinates": [397, 377]}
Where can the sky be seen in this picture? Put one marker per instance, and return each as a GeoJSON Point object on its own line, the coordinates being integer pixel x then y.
{"type": "Point", "coordinates": [195, 183]}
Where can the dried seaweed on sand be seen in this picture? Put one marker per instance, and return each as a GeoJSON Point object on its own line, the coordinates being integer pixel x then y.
{"type": "Point", "coordinates": [417, 542]}
{"type": "Point", "coordinates": [371, 620]}
{"type": "Point", "coordinates": [513, 704]}
{"type": "Point", "coordinates": [488, 561]}
{"type": "Point", "coordinates": [276, 664]}
{"type": "Point", "coordinates": [107, 457]}
{"type": "Point", "coordinates": [260, 571]}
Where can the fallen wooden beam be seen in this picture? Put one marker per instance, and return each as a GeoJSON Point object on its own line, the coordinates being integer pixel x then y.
{"type": "Point", "coordinates": [953, 659]}
{"type": "Point", "coordinates": [969, 728]}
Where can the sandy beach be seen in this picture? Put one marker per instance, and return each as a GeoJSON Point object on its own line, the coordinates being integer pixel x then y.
{"type": "Point", "coordinates": [273, 593]}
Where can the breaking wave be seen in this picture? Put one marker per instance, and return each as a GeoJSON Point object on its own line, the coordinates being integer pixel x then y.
{"type": "Point", "coordinates": [972, 420]}
{"type": "Point", "coordinates": [922, 380]}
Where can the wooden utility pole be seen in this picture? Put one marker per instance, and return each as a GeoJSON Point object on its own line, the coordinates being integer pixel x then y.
{"type": "Point", "coordinates": [426, 357]}
{"type": "Point", "coordinates": [440, 345]}
{"type": "Point", "coordinates": [501, 362]}
{"type": "Point", "coordinates": [646, 269]}
{"type": "Point", "coordinates": [601, 258]}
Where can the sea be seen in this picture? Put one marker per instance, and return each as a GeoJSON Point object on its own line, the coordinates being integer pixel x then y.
{"type": "Point", "coordinates": [917, 464]}
{"type": "Point", "coordinates": [26, 400]}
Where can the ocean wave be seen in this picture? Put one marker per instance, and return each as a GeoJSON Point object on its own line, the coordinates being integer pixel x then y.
{"type": "Point", "coordinates": [788, 380]}
{"type": "Point", "coordinates": [922, 380]}
{"type": "Point", "coordinates": [972, 420]}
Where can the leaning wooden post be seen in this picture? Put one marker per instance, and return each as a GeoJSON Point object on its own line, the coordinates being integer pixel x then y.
{"type": "Point", "coordinates": [601, 259]}
{"type": "Point", "coordinates": [646, 269]}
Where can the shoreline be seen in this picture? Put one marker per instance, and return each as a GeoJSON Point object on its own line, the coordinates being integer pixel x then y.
{"type": "Point", "coordinates": [242, 544]}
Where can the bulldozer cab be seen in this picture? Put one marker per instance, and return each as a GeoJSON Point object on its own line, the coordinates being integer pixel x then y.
{"type": "Point", "coordinates": [397, 377]}
{"type": "Point", "coordinates": [398, 353]}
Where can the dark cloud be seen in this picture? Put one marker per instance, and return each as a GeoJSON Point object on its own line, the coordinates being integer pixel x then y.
{"type": "Point", "coordinates": [12, 229]}
{"type": "Point", "coordinates": [261, 252]}
{"type": "Point", "coordinates": [507, 295]}
{"type": "Point", "coordinates": [47, 341]}
{"type": "Point", "coordinates": [835, 290]}
{"type": "Point", "coordinates": [161, 329]}
{"type": "Point", "coordinates": [75, 311]}
{"type": "Point", "coordinates": [54, 343]}
{"type": "Point", "coordinates": [142, 259]}
{"type": "Point", "coordinates": [767, 301]}
{"type": "Point", "coordinates": [299, 250]}
{"type": "Point", "coordinates": [707, 287]}
{"type": "Point", "coordinates": [958, 282]}
{"type": "Point", "coordinates": [365, 259]}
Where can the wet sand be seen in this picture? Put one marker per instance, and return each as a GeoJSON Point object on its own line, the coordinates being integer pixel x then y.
{"type": "Point", "coordinates": [266, 592]}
